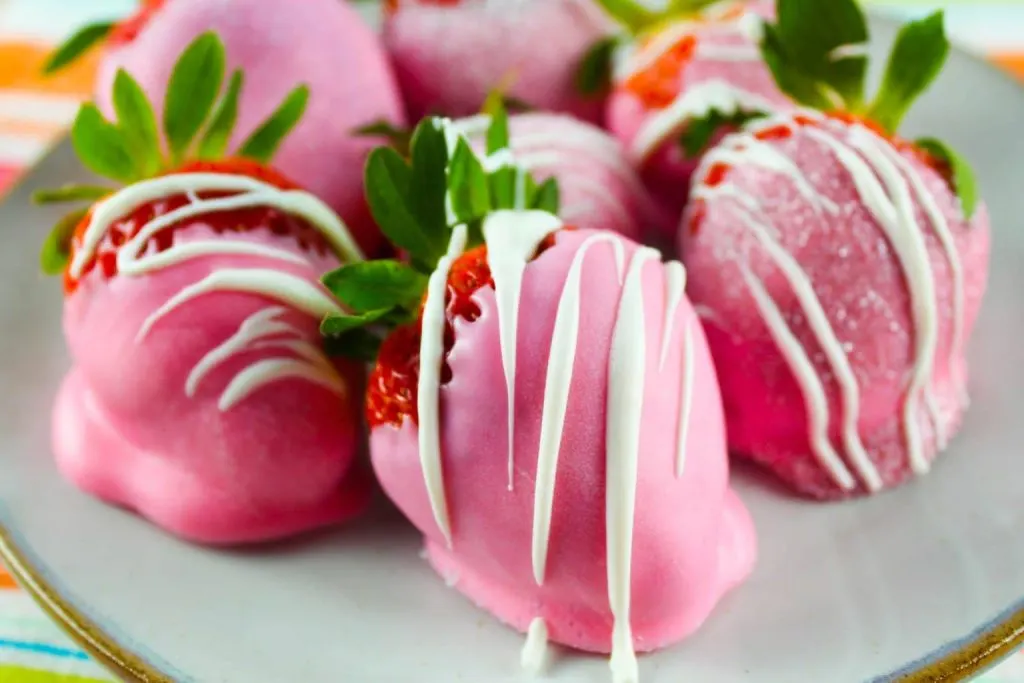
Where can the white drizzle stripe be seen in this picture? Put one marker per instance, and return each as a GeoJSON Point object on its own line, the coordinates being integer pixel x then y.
{"type": "Point", "coordinates": [745, 148]}
{"type": "Point", "coordinates": [728, 190]}
{"type": "Point", "coordinates": [675, 286]}
{"type": "Point", "coordinates": [557, 383]}
{"type": "Point", "coordinates": [187, 251]}
{"type": "Point", "coordinates": [823, 331]}
{"type": "Point", "coordinates": [272, 370]}
{"type": "Point", "coordinates": [728, 53]}
{"type": "Point", "coordinates": [893, 209]}
{"type": "Point", "coordinates": [626, 384]}
{"type": "Point", "coordinates": [694, 103]}
{"type": "Point", "coordinates": [254, 335]}
{"type": "Point", "coordinates": [535, 650]}
{"type": "Point", "coordinates": [285, 288]}
{"type": "Point", "coordinates": [685, 400]}
{"type": "Point", "coordinates": [807, 377]}
{"type": "Point", "coordinates": [429, 384]}
{"type": "Point", "coordinates": [941, 228]}
{"type": "Point", "coordinates": [255, 193]}
{"type": "Point", "coordinates": [512, 239]}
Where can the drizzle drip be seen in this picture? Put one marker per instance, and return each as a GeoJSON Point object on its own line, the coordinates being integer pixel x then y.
{"type": "Point", "coordinates": [512, 238]}
{"type": "Point", "coordinates": [685, 401]}
{"type": "Point", "coordinates": [535, 650]}
{"type": "Point", "coordinates": [561, 359]}
{"type": "Point", "coordinates": [429, 383]}
{"type": "Point", "coordinates": [628, 362]}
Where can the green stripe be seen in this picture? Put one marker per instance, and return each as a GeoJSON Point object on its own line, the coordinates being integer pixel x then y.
{"type": "Point", "coordinates": [22, 675]}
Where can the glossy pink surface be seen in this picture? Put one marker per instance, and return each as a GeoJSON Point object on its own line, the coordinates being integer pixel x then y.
{"type": "Point", "coordinates": [448, 58]}
{"type": "Point", "coordinates": [693, 539]}
{"type": "Point", "coordinates": [283, 460]}
{"type": "Point", "coordinates": [280, 45]}
{"type": "Point", "coordinates": [858, 279]}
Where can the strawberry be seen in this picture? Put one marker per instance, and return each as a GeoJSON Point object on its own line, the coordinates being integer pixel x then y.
{"type": "Point", "coordinates": [192, 314]}
{"type": "Point", "coordinates": [277, 44]}
{"type": "Point", "coordinates": [511, 351]}
{"type": "Point", "coordinates": [841, 265]}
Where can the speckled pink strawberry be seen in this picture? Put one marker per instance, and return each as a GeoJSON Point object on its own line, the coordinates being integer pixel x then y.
{"type": "Point", "coordinates": [449, 54]}
{"type": "Point", "coordinates": [839, 268]}
{"type": "Point", "coordinates": [323, 43]}
{"type": "Point", "coordinates": [546, 411]}
{"type": "Point", "coordinates": [200, 395]}
{"type": "Point", "coordinates": [678, 83]}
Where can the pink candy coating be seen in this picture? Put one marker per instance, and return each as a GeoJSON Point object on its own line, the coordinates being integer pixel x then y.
{"type": "Point", "coordinates": [693, 539]}
{"type": "Point", "coordinates": [859, 281]}
{"type": "Point", "coordinates": [322, 43]}
{"type": "Point", "coordinates": [449, 58]}
{"type": "Point", "coordinates": [283, 460]}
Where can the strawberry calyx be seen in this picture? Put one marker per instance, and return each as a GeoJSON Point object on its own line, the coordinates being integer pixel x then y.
{"type": "Point", "coordinates": [113, 33]}
{"type": "Point", "coordinates": [417, 200]}
{"type": "Point", "coordinates": [198, 121]}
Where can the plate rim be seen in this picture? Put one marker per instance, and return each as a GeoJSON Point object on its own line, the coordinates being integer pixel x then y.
{"type": "Point", "coordinates": [957, 660]}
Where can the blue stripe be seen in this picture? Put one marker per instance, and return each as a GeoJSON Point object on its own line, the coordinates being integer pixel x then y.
{"type": "Point", "coordinates": [42, 649]}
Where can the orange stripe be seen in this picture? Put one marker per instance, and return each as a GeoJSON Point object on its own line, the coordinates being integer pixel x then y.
{"type": "Point", "coordinates": [21, 69]}
{"type": "Point", "coordinates": [6, 582]}
{"type": "Point", "coordinates": [1013, 62]}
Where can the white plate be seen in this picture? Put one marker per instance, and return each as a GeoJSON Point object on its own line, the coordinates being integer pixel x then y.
{"type": "Point", "coordinates": [842, 593]}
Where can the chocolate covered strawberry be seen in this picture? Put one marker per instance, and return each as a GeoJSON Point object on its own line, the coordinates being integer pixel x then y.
{"type": "Point", "coordinates": [544, 408]}
{"type": "Point", "coordinates": [841, 266]}
{"type": "Point", "coordinates": [680, 81]}
{"type": "Point", "coordinates": [450, 54]}
{"type": "Point", "coordinates": [200, 395]}
{"type": "Point", "coordinates": [324, 43]}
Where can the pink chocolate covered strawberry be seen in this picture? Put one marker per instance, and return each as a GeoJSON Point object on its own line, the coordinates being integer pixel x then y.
{"type": "Point", "coordinates": [449, 54]}
{"type": "Point", "coordinates": [678, 83]}
{"type": "Point", "coordinates": [201, 396]}
{"type": "Point", "coordinates": [545, 409]}
{"type": "Point", "coordinates": [841, 267]}
{"type": "Point", "coordinates": [324, 43]}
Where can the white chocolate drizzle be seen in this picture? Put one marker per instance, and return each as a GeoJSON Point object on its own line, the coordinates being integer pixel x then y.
{"type": "Point", "coordinates": [429, 382]}
{"type": "Point", "coordinates": [512, 239]}
{"type": "Point", "coordinates": [557, 383]}
{"type": "Point", "coordinates": [535, 650]}
{"type": "Point", "coordinates": [887, 185]}
{"type": "Point", "coordinates": [685, 400]}
{"type": "Point", "coordinates": [627, 370]}
{"type": "Point", "coordinates": [263, 331]}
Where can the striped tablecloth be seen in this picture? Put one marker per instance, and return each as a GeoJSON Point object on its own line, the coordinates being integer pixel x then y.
{"type": "Point", "coordinates": [34, 112]}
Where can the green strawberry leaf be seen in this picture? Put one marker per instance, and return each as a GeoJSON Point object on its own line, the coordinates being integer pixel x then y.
{"type": "Point", "coordinates": [399, 138]}
{"type": "Point", "coordinates": [701, 132]}
{"type": "Point", "coordinates": [215, 140]}
{"type": "Point", "coordinates": [56, 251]}
{"type": "Point", "coordinates": [502, 187]}
{"type": "Point", "coordinates": [917, 58]}
{"type": "Point", "coordinates": [101, 146]}
{"type": "Point", "coordinates": [77, 45]}
{"type": "Point", "coordinates": [791, 80]}
{"type": "Point", "coordinates": [338, 324]}
{"type": "Point", "coordinates": [547, 197]}
{"type": "Point", "coordinates": [814, 35]}
{"type": "Point", "coordinates": [71, 193]}
{"type": "Point", "coordinates": [192, 91]}
{"type": "Point", "coordinates": [263, 143]}
{"type": "Point", "coordinates": [359, 345]}
{"type": "Point", "coordinates": [635, 16]}
{"type": "Point", "coordinates": [497, 133]}
{"type": "Point", "coordinates": [965, 183]}
{"type": "Point", "coordinates": [429, 151]}
{"type": "Point", "coordinates": [594, 74]}
{"type": "Point", "coordinates": [468, 184]}
{"type": "Point", "coordinates": [388, 187]}
{"type": "Point", "coordinates": [137, 121]}
{"type": "Point", "coordinates": [376, 285]}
